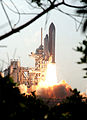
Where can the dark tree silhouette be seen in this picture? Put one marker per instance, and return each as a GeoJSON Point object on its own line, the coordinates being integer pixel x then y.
{"type": "Point", "coordinates": [83, 11]}
{"type": "Point", "coordinates": [13, 105]}
{"type": "Point", "coordinates": [72, 108]}
{"type": "Point", "coordinates": [83, 49]}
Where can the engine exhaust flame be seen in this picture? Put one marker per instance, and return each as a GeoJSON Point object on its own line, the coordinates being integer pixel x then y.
{"type": "Point", "coordinates": [50, 88]}
{"type": "Point", "coordinates": [51, 78]}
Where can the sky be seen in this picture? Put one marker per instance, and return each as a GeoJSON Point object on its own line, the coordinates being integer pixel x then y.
{"type": "Point", "coordinates": [21, 44]}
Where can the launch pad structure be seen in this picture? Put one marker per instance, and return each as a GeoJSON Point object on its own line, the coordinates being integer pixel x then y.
{"type": "Point", "coordinates": [31, 76]}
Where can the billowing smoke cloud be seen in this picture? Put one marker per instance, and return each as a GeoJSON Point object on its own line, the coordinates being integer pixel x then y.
{"type": "Point", "coordinates": [61, 90]}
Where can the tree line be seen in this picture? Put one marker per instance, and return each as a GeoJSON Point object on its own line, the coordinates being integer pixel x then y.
{"type": "Point", "coordinates": [14, 105]}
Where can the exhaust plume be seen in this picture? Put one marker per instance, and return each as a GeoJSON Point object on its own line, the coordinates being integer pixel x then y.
{"type": "Point", "coordinates": [60, 91]}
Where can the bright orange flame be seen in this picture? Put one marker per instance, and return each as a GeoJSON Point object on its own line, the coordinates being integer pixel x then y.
{"type": "Point", "coordinates": [22, 88]}
{"type": "Point", "coordinates": [51, 77]}
{"type": "Point", "coordinates": [50, 88]}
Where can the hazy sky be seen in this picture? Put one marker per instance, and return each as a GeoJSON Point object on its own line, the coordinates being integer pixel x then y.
{"type": "Point", "coordinates": [21, 44]}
